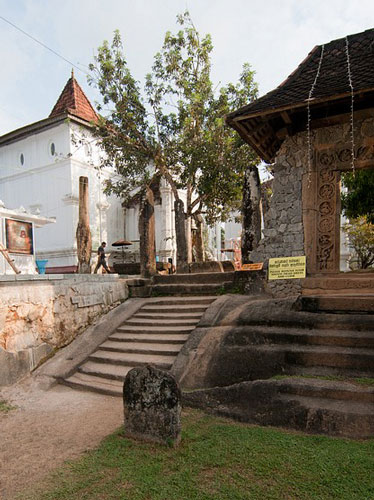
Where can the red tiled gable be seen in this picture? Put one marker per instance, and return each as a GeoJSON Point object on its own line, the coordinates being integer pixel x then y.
{"type": "Point", "coordinates": [74, 101]}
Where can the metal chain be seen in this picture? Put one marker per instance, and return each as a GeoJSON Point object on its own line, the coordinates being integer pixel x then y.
{"type": "Point", "coordinates": [309, 116]}
{"type": "Point", "coordinates": [352, 103]}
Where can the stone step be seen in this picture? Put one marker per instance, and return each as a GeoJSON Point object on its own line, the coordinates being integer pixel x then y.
{"type": "Point", "coordinates": [336, 292]}
{"type": "Point", "coordinates": [263, 402]}
{"type": "Point", "coordinates": [327, 389]}
{"type": "Point", "coordinates": [159, 322]}
{"type": "Point", "coordinates": [141, 347]}
{"type": "Point", "coordinates": [174, 308]}
{"type": "Point", "coordinates": [304, 320]}
{"type": "Point", "coordinates": [338, 303]}
{"type": "Point", "coordinates": [159, 338]}
{"type": "Point", "coordinates": [153, 329]}
{"type": "Point", "coordinates": [193, 278]}
{"type": "Point", "coordinates": [204, 299]}
{"type": "Point", "coordinates": [279, 335]}
{"type": "Point", "coordinates": [329, 356]}
{"type": "Point", "coordinates": [191, 289]}
{"type": "Point", "coordinates": [132, 359]}
{"type": "Point", "coordinates": [329, 371]}
{"type": "Point", "coordinates": [105, 371]}
{"type": "Point", "coordinates": [344, 282]}
{"type": "Point", "coordinates": [94, 384]}
{"type": "Point", "coordinates": [332, 417]}
{"type": "Point", "coordinates": [168, 315]}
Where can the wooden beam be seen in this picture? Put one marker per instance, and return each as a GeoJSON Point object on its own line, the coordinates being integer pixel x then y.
{"type": "Point", "coordinates": [286, 117]}
{"type": "Point", "coordinates": [302, 104]}
{"type": "Point", "coordinates": [5, 254]}
{"type": "Point", "coordinates": [249, 139]}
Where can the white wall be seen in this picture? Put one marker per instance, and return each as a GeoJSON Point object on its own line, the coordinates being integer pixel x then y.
{"type": "Point", "coordinates": [50, 184]}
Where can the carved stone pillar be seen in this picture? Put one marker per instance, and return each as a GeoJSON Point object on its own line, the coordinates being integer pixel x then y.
{"type": "Point", "coordinates": [83, 233]}
{"type": "Point", "coordinates": [167, 234]}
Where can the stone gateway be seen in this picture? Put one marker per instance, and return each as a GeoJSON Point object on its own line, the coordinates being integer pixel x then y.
{"type": "Point", "coordinates": [152, 405]}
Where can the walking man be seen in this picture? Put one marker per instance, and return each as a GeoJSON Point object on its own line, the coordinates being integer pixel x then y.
{"type": "Point", "coordinates": [101, 258]}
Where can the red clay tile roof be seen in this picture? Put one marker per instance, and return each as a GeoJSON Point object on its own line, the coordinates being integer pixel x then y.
{"type": "Point", "coordinates": [74, 101]}
{"type": "Point", "coordinates": [333, 78]}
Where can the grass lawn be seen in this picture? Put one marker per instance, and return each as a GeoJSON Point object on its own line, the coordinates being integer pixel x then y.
{"type": "Point", "coordinates": [218, 459]}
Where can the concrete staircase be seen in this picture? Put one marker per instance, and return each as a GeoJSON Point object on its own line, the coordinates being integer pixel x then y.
{"type": "Point", "coordinates": [192, 283]}
{"type": "Point", "coordinates": [153, 335]}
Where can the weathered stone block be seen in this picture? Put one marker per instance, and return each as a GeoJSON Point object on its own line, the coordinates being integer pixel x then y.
{"type": "Point", "coordinates": [206, 267]}
{"type": "Point", "coordinates": [152, 405]}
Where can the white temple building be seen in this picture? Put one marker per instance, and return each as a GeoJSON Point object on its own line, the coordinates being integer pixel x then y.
{"type": "Point", "coordinates": [40, 168]}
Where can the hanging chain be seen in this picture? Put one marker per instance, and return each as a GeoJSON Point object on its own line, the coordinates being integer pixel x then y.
{"type": "Point", "coordinates": [309, 116]}
{"type": "Point", "coordinates": [352, 103]}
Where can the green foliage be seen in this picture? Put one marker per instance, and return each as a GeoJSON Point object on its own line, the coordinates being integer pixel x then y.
{"type": "Point", "coordinates": [359, 200]}
{"type": "Point", "coordinates": [6, 407]}
{"type": "Point", "coordinates": [183, 133]}
{"type": "Point", "coordinates": [361, 238]}
{"type": "Point", "coordinates": [123, 131]}
{"type": "Point", "coordinates": [211, 158]}
{"type": "Point", "coordinates": [218, 460]}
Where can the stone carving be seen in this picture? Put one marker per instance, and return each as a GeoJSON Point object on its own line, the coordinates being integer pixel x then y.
{"type": "Point", "coordinates": [326, 175]}
{"type": "Point", "coordinates": [326, 225]}
{"type": "Point", "coordinates": [152, 405]}
{"type": "Point", "coordinates": [344, 155]}
{"type": "Point", "coordinates": [326, 159]}
{"type": "Point", "coordinates": [326, 208]}
{"type": "Point", "coordinates": [325, 240]}
{"type": "Point", "coordinates": [326, 191]}
{"type": "Point", "coordinates": [327, 184]}
{"type": "Point", "coordinates": [324, 255]}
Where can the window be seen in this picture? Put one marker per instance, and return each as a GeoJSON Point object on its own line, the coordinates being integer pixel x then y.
{"type": "Point", "coordinates": [52, 149]}
{"type": "Point", "coordinates": [22, 159]}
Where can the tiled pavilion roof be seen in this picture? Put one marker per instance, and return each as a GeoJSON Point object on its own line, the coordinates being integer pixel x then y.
{"type": "Point", "coordinates": [282, 106]}
{"type": "Point", "coordinates": [74, 101]}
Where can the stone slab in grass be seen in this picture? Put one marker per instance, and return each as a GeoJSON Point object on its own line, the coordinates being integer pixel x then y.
{"type": "Point", "coordinates": [152, 406]}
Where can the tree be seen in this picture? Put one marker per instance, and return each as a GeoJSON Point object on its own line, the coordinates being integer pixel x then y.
{"type": "Point", "coordinates": [125, 135]}
{"type": "Point", "coordinates": [211, 158]}
{"type": "Point", "coordinates": [184, 137]}
{"type": "Point", "coordinates": [359, 199]}
{"type": "Point", "coordinates": [361, 238]}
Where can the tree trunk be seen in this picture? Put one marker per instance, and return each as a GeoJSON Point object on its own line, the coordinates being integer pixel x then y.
{"type": "Point", "coordinates": [147, 234]}
{"type": "Point", "coordinates": [180, 233]}
{"type": "Point", "coordinates": [188, 225]}
{"type": "Point", "coordinates": [83, 233]}
{"type": "Point", "coordinates": [251, 214]}
{"type": "Point", "coordinates": [199, 247]}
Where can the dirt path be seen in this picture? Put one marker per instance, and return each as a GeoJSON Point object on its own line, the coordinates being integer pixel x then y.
{"type": "Point", "coordinates": [47, 428]}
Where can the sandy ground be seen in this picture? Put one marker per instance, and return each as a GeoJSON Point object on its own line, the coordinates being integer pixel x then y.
{"type": "Point", "coordinates": [47, 428]}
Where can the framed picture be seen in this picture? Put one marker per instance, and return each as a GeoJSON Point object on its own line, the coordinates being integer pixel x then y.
{"type": "Point", "coordinates": [19, 237]}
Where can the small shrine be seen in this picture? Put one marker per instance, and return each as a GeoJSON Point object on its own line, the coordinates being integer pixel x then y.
{"type": "Point", "coordinates": [17, 240]}
{"type": "Point", "coordinates": [316, 125]}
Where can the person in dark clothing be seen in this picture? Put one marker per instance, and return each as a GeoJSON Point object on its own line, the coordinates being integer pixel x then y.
{"type": "Point", "coordinates": [101, 258]}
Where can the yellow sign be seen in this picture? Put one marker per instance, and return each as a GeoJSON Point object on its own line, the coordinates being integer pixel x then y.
{"type": "Point", "coordinates": [252, 267]}
{"type": "Point", "coordinates": [285, 268]}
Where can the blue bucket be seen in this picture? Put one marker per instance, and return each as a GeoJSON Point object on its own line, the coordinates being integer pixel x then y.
{"type": "Point", "coordinates": [41, 265]}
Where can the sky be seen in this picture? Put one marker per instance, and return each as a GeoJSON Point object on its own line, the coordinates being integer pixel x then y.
{"type": "Point", "coordinates": [274, 36]}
